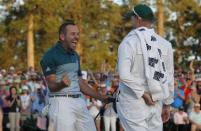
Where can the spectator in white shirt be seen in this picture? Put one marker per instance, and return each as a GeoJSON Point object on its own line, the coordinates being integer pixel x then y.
{"type": "Point", "coordinates": [195, 118]}
{"type": "Point", "coordinates": [110, 117]}
{"type": "Point", "coordinates": [25, 104]}
{"type": "Point", "coordinates": [33, 85]}
{"type": "Point", "coordinates": [94, 109]}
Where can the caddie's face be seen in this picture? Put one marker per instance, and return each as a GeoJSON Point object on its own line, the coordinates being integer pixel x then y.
{"type": "Point", "coordinates": [135, 21]}
{"type": "Point", "coordinates": [71, 36]}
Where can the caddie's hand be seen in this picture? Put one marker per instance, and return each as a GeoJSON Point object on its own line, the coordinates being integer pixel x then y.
{"type": "Point", "coordinates": [147, 98]}
{"type": "Point", "coordinates": [165, 113]}
{"type": "Point", "coordinates": [110, 99]}
{"type": "Point", "coordinates": [107, 99]}
{"type": "Point", "coordinates": [65, 81]}
{"type": "Point", "coordinates": [103, 98]}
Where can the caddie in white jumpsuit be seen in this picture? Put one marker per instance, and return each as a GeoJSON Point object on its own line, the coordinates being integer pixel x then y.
{"type": "Point", "coordinates": [61, 67]}
{"type": "Point", "coordinates": [145, 66]}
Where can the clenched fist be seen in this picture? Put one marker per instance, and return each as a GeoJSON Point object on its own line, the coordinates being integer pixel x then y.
{"type": "Point", "coordinates": [65, 81]}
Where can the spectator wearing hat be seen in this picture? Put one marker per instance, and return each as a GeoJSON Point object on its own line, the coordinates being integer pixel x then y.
{"type": "Point", "coordinates": [11, 72]}
{"type": "Point", "coordinates": [94, 108]}
{"type": "Point", "coordinates": [110, 116]}
{"type": "Point", "coordinates": [103, 88]}
{"type": "Point", "coordinates": [32, 83]}
{"type": "Point", "coordinates": [181, 119]}
{"type": "Point", "coordinates": [178, 96]}
{"type": "Point", "coordinates": [30, 71]}
{"type": "Point", "coordinates": [3, 72]}
{"type": "Point", "coordinates": [38, 100]}
{"type": "Point", "coordinates": [195, 118]}
{"type": "Point", "coordinates": [25, 99]}
{"type": "Point", "coordinates": [24, 84]}
{"type": "Point", "coordinates": [38, 103]}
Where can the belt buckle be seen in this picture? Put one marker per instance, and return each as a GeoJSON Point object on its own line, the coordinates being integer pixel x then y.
{"type": "Point", "coordinates": [65, 95]}
{"type": "Point", "coordinates": [74, 95]}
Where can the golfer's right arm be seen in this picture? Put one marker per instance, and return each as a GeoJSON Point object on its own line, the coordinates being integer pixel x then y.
{"type": "Point", "coordinates": [57, 86]}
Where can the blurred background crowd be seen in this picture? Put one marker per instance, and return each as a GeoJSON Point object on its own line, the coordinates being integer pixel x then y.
{"type": "Point", "coordinates": [185, 112]}
{"type": "Point", "coordinates": [23, 96]}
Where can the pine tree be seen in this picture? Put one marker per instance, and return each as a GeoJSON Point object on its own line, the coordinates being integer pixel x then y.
{"type": "Point", "coordinates": [186, 29]}
{"type": "Point", "coordinates": [160, 14]}
{"type": "Point", "coordinates": [100, 24]}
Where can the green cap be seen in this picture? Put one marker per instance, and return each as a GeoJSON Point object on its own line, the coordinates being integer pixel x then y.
{"type": "Point", "coordinates": [143, 11]}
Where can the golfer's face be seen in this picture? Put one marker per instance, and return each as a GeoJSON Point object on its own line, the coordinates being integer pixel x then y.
{"type": "Point", "coordinates": [71, 36]}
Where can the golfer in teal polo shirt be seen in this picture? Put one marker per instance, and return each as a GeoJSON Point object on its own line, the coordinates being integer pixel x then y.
{"type": "Point", "coordinates": [61, 67]}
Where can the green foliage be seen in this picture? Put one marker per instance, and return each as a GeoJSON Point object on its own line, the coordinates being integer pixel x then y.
{"type": "Point", "coordinates": [186, 25]}
{"type": "Point", "coordinates": [100, 24]}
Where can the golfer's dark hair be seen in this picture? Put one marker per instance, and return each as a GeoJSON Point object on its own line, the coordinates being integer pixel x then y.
{"type": "Point", "coordinates": [63, 26]}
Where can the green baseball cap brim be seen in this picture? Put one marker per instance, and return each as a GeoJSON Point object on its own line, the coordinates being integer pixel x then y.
{"type": "Point", "coordinates": [143, 11]}
{"type": "Point", "coordinates": [129, 14]}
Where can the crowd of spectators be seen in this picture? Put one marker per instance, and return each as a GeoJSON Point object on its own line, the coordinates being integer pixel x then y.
{"type": "Point", "coordinates": [106, 84]}
{"type": "Point", "coordinates": [23, 97]}
{"type": "Point", "coordinates": [185, 111]}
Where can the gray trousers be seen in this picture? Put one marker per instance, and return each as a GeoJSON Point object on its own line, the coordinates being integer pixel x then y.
{"type": "Point", "coordinates": [14, 118]}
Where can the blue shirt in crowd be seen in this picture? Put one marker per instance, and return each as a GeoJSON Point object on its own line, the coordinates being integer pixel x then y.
{"type": "Point", "coordinates": [178, 102]}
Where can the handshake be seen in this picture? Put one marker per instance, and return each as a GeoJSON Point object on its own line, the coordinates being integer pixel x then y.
{"type": "Point", "coordinates": [109, 99]}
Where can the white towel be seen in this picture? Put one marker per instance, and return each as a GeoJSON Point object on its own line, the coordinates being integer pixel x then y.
{"type": "Point", "coordinates": [155, 70]}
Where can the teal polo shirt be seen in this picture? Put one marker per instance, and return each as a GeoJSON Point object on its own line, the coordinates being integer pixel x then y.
{"type": "Point", "coordinates": [58, 61]}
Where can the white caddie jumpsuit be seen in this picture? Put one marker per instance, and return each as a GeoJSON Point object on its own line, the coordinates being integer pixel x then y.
{"type": "Point", "coordinates": [132, 110]}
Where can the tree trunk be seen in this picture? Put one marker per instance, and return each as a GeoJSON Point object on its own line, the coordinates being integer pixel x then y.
{"type": "Point", "coordinates": [160, 18]}
{"type": "Point", "coordinates": [30, 42]}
